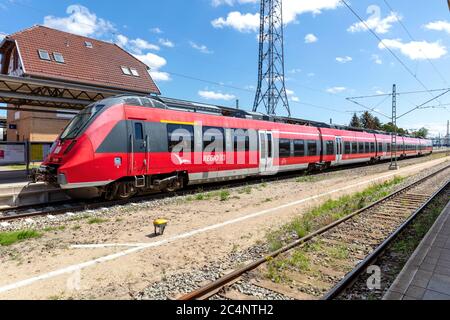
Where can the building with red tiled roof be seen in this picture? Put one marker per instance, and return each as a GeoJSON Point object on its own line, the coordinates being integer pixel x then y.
{"type": "Point", "coordinates": [43, 53]}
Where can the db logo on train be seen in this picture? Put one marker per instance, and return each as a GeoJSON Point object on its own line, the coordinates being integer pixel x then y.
{"type": "Point", "coordinates": [2, 154]}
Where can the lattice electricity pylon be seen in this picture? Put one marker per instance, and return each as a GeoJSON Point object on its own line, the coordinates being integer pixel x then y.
{"type": "Point", "coordinates": [271, 89]}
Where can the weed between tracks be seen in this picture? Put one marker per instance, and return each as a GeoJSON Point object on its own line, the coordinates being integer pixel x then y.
{"type": "Point", "coordinates": [316, 218]}
{"type": "Point", "coordinates": [9, 238]}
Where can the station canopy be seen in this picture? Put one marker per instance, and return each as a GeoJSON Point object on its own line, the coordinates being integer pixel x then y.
{"type": "Point", "coordinates": [22, 91]}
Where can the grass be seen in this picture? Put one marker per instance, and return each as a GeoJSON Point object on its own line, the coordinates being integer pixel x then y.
{"type": "Point", "coordinates": [328, 212]}
{"type": "Point", "coordinates": [9, 238]}
{"type": "Point", "coordinates": [423, 223]}
{"type": "Point", "coordinates": [96, 221]}
{"type": "Point", "coordinates": [51, 229]}
{"type": "Point", "coordinates": [75, 228]}
{"type": "Point", "coordinates": [306, 178]}
{"type": "Point", "coordinates": [222, 195]}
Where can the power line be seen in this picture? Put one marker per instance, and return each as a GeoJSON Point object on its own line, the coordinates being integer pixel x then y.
{"type": "Point", "coordinates": [400, 93]}
{"type": "Point", "coordinates": [384, 45]}
{"type": "Point", "coordinates": [423, 104]}
{"type": "Point", "coordinates": [412, 38]}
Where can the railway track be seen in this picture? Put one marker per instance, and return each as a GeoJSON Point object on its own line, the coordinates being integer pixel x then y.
{"type": "Point", "coordinates": [60, 208]}
{"type": "Point", "coordinates": [324, 263]}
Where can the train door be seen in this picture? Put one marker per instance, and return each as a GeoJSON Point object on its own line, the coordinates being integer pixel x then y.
{"type": "Point", "coordinates": [139, 150]}
{"type": "Point", "coordinates": [338, 150]}
{"type": "Point", "coordinates": [266, 152]}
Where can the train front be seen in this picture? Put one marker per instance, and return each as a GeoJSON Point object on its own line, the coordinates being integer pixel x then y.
{"type": "Point", "coordinates": [72, 146]}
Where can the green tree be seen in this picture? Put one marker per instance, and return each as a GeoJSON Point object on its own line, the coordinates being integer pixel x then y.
{"type": "Point", "coordinates": [421, 133]}
{"type": "Point", "coordinates": [355, 123]}
{"type": "Point", "coordinates": [368, 121]}
{"type": "Point", "coordinates": [377, 125]}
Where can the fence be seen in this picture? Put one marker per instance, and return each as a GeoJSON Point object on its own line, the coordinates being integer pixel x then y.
{"type": "Point", "coordinates": [23, 153]}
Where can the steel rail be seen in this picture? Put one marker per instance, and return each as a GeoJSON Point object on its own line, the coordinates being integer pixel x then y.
{"type": "Point", "coordinates": [225, 280]}
{"type": "Point", "coordinates": [349, 279]}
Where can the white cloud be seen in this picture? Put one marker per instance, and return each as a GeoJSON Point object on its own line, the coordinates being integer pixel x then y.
{"type": "Point", "coordinates": [379, 92]}
{"type": "Point", "coordinates": [154, 62]}
{"type": "Point", "coordinates": [200, 47]}
{"type": "Point", "coordinates": [156, 30]}
{"type": "Point", "coordinates": [121, 40]}
{"type": "Point", "coordinates": [295, 71]}
{"type": "Point", "coordinates": [311, 38]}
{"type": "Point", "coordinates": [345, 59]}
{"type": "Point", "coordinates": [438, 26]}
{"type": "Point", "coordinates": [160, 76]}
{"type": "Point", "coordinates": [138, 45]}
{"type": "Point", "coordinates": [216, 3]}
{"type": "Point", "coordinates": [80, 21]}
{"type": "Point", "coordinates": [249, 22]}
{"type": "Point", "coordinates": [242, 22]}
{"type": "Point", "coordinates": [166, 43]}
{"type": "Point", "coordinates": [291, 95]}
{"type": "Point", "coordinates": [311, 74]}
{"type": "Point", "coordinates": [375, 22]}
{"type": "Point", "coordinates": [293, 8]}
{"type": "Point", "coordinates": [2, 36]}
{"type": "Point", "coordinates": [376, 58]}
{"type": "Point", "coordinates": [416, 50]}
{"type": "Point", "coordinates": [211, 95]}
{"type": "Point", "coordinates": [335, 90]}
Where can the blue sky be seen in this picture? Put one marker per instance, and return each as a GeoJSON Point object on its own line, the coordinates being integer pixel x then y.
{"type": "Point", "coordinates": [328, 55]}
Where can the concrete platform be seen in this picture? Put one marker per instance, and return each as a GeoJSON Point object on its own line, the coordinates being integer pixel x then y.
{"type": "Point", "coordinates": [426, 276]}
{"type": "Point", "coordinates": [22, 193]}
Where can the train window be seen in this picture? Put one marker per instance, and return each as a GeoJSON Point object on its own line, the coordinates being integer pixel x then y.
{"type": "Point", "coordinates": [367, 144]}
{"type": "Point", "coordinates": [299, 148]}
{"type": "Point", "coordinates": [388, 147]}
{"type": "Point", "coordinates": [178, 133]}
{"type": "Point", "coordinates": [81, 121]}
{"type": "Point", "coordinates": [214, 135]}
{"type": "Point", "coordinates": [347, 147]}
{"type": "Point", "coordinates": [285, 148]}
{"type": "Point", "coordinates": [354, 147]}
{"type": "Point", "coordinates": [372, 147]}
{"type": "Point", "coordinates": [132, 101]}
{"type": "Point", "coordinates": [269, 142]}
{"type": "Point", "coordinates": [138, 131]}
{"type": "Point", "coordinates": [380, 147]}
{"type": "Point", "coordinates": [361, 147]}
{"type": "Point", "coordinates": [330, 148]}
{"type": "Point", "coordinates": [241, 141]}
{"type": "Point", "coordinates": [312, 148]}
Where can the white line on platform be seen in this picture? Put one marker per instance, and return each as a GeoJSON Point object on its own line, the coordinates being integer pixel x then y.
{"type": "Point", "coordinates": [142, 247]}
{"type": "Point", "coordinates": [107, 245]}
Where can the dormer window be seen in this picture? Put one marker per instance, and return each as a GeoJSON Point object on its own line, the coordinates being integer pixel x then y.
{"type": "Point", "coordinates": [126, 71]}
{"type": "Point", "coordinates": [58, 57]}
{"type": "Point", "coordinates": [88, 44]}
{"type": "Point", "coordinates": [134, 72]}
{"type": "Point", "coordinates": [43, 54]}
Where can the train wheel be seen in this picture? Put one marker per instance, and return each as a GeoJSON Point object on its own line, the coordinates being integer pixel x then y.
{"type": "Point", "coordinates": [179, 184]}
{"type": "Point", "coordinates": [125, 191]}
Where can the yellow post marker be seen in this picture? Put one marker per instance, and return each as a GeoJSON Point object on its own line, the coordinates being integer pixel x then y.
{"type": "Point", "coordinates": [160, 226]}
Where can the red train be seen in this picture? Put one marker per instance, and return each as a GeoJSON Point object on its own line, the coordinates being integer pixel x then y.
{"type": "Point", "coordinates": [122, 146]}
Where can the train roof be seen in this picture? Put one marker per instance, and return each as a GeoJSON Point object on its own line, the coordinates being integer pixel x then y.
{"type": "Point", "coordinates": [212, 109]}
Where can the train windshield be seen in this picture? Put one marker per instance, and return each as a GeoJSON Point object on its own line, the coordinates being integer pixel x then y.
{"type": "Point", "coordinates": [80, 122]}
